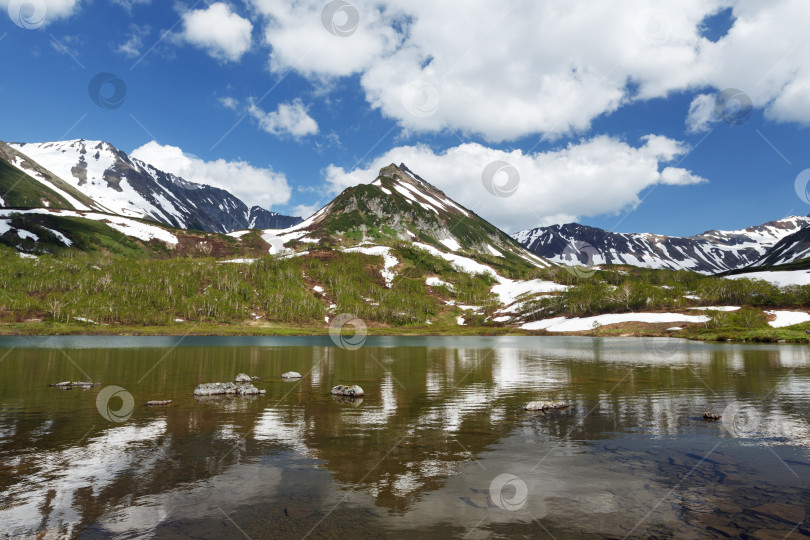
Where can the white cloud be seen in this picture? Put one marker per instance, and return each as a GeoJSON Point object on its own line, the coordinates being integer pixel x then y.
{"type": "Point", "coordinates": [602, 175]}
{"type": "Point", "coordinates": [129, 4]}
{"type": "Point", "coordinates": [229, 103]}
{"type": "Point", "coordinates": [298, 38]}
{"type": "Point", "coordinates": [288, 119]}
{"type": "Point", "coordinates": [510, 69]}
{"type": "Point", "coordinates": [39, 13]}
{"type": "Point", "coordinates": [133, 46]}
{"type": "Point", "coordinates": [221, 32]}
{"type": "Point", "coordinates": [255, 186]}
{"type": "Point", "coordinates": [701, 113]}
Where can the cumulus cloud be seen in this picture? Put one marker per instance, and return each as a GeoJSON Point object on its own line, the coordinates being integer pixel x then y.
{"type": "Point", "coordinates": [510, 69]}
{"type": "Point", "coordinates": [39, 13]}
{"type": "Point", "coordinates": [602, 175]}
{"type": "Point", "coordinates": [219, 31]}
{"type": "Point", "coordinates": [255, 186]}
{"type": "Point", "coordinates": [288, 119]}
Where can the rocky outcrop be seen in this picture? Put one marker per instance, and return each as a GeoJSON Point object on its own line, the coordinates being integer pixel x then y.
{"type": "Point", "coordinates": [546, 406]}
{"type": "Point", "coordinates": [163, 403]}
{"type": "Point", "coordinates": [67, 385]}
{"type": "Point", "coordinates": [228, 388]}
{"type": "Point", "coordinates": [352, 391]}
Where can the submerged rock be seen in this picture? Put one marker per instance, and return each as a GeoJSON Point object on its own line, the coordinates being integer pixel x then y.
{"type": "Point", "coordinates": [291, 375]}
{"type": "Point", "coordinates": [711, 416]}
{"type": "Point", "coordinates": [347, 391]}
{"type": "Point", "coordinates": [353, 401]}
{"type": "Point", "coordinates": [67, 385]}
{"type": "Point", "coordinates": [228, 388]}
{"type": "Point", "coordinates": [546, 406]}
{"type": "Point", "coordinates": [163, 403]}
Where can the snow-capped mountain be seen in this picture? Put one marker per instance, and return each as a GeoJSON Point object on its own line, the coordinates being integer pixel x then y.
{"type": "Point", "coordinates": [399, 206]}
{"type": "Point", "coordinates": [709, 253]}
{"type": "Point", "coordinates": [94, 175]}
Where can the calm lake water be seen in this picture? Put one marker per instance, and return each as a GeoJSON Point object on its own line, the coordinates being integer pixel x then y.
{"type": "Point", "coordinates": [439, 447]}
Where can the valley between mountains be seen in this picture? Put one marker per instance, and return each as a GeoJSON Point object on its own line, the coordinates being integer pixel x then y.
{"type": "Point", "coordinates": [95, 241]}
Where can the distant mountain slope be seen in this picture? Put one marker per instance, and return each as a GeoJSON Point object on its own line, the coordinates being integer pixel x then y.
{"type": "Point", "coordinates": [25, 183]}
{"type": "Point", "coordinates": [709, 253]}
{"type": "Point", "coordinates": [101, 177]}
{"type": "Point", "coordinates": [791, 250]}
{"type": "Point", "coordinates": [399, 206]}
{"type": "Point", "coordinates": [40, 231]}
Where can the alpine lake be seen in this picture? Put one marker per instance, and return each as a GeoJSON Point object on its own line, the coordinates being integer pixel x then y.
{"type": "Point", "coordinates": [438, 447]}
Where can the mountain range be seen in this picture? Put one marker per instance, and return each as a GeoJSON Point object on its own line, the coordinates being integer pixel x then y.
{"type": "Point", "coordinates": [96, 176]}
{"type": "Point", "coordinates": [96, 180]}
{"type": "Point", "coordinates": [713, 252]}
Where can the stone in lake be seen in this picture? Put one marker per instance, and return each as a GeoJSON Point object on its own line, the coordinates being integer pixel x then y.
{"type": "Point", "coordinates": [711, 416]}
{"type": "Point", "coordinates": [243, 378]}
{"type": "Point", "coordinates": [546, 406]}
{"type": "Point", "coordinates": [159, 403]}
{"type": "Point", "coordinates": [228, 388]}
{"type": "Point", "coordinates": [291, 375]}
{"type": "Point", "coordinates": [347, 391]}
{"type": "Point", "coordinates": [67, 385]}
{"type": "Point", "coordinates": [353, 401]}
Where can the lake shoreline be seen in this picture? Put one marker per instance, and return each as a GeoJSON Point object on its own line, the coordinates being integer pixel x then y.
{"type": "Point", "coordinates": [634, 330]}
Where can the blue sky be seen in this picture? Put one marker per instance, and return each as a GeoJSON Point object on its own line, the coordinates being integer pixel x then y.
{"type": "Point", "coordinates": [589, 113]}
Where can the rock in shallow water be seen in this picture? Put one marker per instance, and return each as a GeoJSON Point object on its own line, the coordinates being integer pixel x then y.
{"type": "Point", "coordinates": [546, 406]}
{"type": "Point", "coordinates": [291, 375]}
{"type": "Point", "coordinates": [347, 391]}
{"type": "Point", "coordinates": [163, 403]}
{"type": "Point", "coordinates": [66, 385]}
{"type": "Point", "coordinates": [228, 388]}
{"type": "Point", "coordinates": [711, 416]}
{"type": "Point", "coordinates": [243, 378]}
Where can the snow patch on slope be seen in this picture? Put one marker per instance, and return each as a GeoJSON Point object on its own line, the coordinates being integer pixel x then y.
{"type": "Point", "coordinates": [581, 324]}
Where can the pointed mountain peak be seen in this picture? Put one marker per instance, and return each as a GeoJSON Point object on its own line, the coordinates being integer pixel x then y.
{"type": "Point", "coordinates": [399, 206]}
